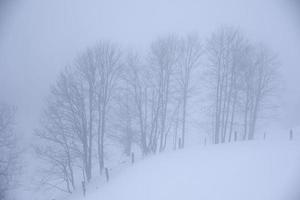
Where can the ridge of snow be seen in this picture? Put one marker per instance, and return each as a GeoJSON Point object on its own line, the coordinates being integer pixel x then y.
{"type": "Point", "coordinates": [257, 170]}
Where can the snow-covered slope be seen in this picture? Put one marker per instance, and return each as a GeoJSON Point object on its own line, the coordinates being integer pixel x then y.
{"type": "Point", "coordinates": [240, 171]}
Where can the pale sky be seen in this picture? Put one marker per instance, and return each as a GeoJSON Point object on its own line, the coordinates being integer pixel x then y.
{"type": "Point", "coordinates": [38, 38]}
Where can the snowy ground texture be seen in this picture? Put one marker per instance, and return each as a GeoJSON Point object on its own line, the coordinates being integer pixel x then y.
{"type": "Point", "coordinates": [258, 170]}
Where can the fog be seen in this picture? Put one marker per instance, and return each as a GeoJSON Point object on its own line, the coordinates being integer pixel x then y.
{"type": "Point", "coordinates": [39, 38]}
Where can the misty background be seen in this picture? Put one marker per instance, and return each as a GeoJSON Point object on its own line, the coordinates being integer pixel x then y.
{"type": "Point", "coordinates": [39, 38]}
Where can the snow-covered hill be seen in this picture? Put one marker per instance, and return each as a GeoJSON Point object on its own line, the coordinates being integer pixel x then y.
{"type": "Point", "coordinates": [240, 171]}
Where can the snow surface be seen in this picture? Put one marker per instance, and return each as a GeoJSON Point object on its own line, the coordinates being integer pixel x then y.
{"type": "Point", "coordinates": [258, 170]}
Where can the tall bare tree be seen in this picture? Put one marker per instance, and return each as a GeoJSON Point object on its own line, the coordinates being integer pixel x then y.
{"type": "Point", "coordinates": [163, 57]}
{"type": "Point", "coordinates": [64, 129]}
{"type": "Point", "coordinates": [108, 68]}
{"type": "Point", "coordinates": [8, 149]}
{"type": "Point", "coordinates": [85, 67]}
{"type": "Point", "coordinates": [124, 120]}
{"type": "Point", "coordinates": [261, 78]}
{"type": "Point", "coordinates": [190, 52]}
{"type": "Point", "coordinates": [223, 49]}
{"type": "Point", "coordinates": [135, 77]}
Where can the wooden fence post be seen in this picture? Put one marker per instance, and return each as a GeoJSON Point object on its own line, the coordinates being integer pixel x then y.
{"type": "Point", "coordinates": [107, 174]}
{"type": "Point", "coordinates": [235, 136]}
{"type": "Point", "coordinates": [132, 158]}
{"type": "Point", "coordinates": [291, 134]}
{"type": "Point", "coordinates": [83, 188]}
{"type": "Point", "coordinates": [179, 143]}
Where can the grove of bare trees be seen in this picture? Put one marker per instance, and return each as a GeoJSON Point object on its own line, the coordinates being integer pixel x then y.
{"type": "Point", "coordinates": [243, 77]}
{"type": "Point", "coordinates": [142, 102]}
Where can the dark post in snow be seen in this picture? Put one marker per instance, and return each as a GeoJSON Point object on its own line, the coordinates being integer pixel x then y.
{"type": "Point", "coordinates": [235, 136]}
{"type": "Point", "coordinates": [132, 158]}
{"type": "Point", "coordinates": [83, 188]}
{"type": "Point", "coordinates": [291, 134]}
{"type": "Point", "coordinates": [205, 141]}
{"type": "Point", "coordinates": [179, 143]}
{"type": "Point", "coordinates": [265, 135]}
{"type": "Point", "coordinates": [106, 174]}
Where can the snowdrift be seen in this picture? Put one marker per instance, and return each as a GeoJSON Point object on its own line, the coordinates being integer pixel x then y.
{"type": "Point", "coordinates": [241, 171]}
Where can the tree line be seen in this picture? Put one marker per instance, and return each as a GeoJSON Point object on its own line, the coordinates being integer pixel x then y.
{"type": "Point", "coordinates": [143, 100]}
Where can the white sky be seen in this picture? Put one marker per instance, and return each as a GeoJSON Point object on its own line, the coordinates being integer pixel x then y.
{"type": "Point", "coordinates": [39, 37]}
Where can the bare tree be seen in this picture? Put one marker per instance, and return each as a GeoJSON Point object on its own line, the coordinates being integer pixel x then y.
{"type": "Point", "coordinates": [59, 171]}
{"type": "Point", "coordinates": [108, 68]}
{"type": "Point", "coordinates": [63, 133]}
{"type": "Point", "coordinates": [154, 88]}
{"type": "Point", "coordinates": [86, 70]}
{"type": "Point", "coordinates": [60, 136]}
{"type": "Point", "coordinates": [8, 149]}
{"type": "Point", "coordinates": [260, 85]}
{"type": "Point", "coordinates": [136, 78]}
{"type": "Point", "coordinates": [124, 121]}
{"type": "Point", "coordinates": [223, 49]}
{"type": "Point", "coordinates": [190, 51]}
{"type": "Point", "coordinates": [143, 88]}
{"type": "Point", "coordinates": [163, 57]}
{"type": "Point", "coordinates": [76, 112]}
